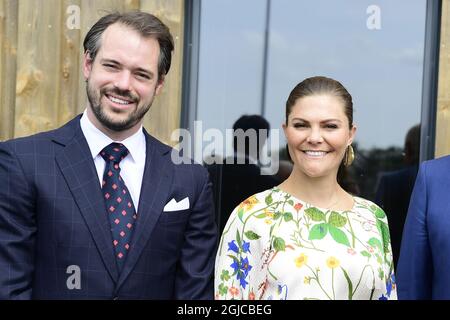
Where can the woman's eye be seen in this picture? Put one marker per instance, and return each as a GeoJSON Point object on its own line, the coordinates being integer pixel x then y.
{"type": "Point", "coordinates": [299, 125]}
{"type": "Point", "coordinates": [331, 126]}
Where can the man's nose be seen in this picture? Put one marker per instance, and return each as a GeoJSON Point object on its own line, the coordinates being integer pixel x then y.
{"type": "Point", "coordinates": [123, 81]}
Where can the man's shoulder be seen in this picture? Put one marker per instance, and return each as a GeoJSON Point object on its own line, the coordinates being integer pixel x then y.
{"type": "Point", "coordinates": [439, 165]}
{"type": "Point", "coordinates": [37, 142]}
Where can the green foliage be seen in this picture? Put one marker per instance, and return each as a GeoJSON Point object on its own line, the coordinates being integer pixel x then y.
{"type": "Point", "coordinates": [252, 235]}
{"type": "Point", "coordinates": [269, 199]}
{"type": "Point", "coordinates": [287, 216]}
{"type": "Point", "coordinates": [337, 220]}
{"type": "Point", "coordinates": [338, 235]}
{"type": "Point", "coordinates": [315, 214]}
{"type": "Point", "coordinates": [279, 244]}
{"type": "Point", "coordinates": [319, 231]}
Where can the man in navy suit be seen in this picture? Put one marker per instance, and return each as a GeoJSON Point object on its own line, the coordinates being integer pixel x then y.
{"type": "Point", "coordinates": [424, 264]}
{"type": "Point", "coordinates": [97, 209]}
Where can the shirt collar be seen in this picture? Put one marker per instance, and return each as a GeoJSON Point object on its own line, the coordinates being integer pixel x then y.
{"type": "Point", "coordinates": [97, 140]}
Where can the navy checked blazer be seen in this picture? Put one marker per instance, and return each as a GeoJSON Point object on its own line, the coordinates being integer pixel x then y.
{"type": "Point", "coordinates": [55, 238]}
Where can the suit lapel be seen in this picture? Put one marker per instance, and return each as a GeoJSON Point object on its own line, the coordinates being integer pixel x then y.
{"type": "Point", "coordinates": [155, 188]}
{"type": "Point", "coordinates": [77, 166]}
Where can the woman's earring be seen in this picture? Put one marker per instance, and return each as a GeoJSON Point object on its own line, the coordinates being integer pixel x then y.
{"type": "Point", "coordinates": [349, 156]}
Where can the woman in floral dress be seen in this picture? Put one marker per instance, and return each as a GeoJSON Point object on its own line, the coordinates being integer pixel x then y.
{"type": "Point", "coordinates": [308, 238]}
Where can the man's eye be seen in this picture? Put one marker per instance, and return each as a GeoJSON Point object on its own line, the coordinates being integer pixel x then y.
{"type": "Point", "coordinates": [110, 66]}
{"type": "Point", "coordinates": [143, 76]}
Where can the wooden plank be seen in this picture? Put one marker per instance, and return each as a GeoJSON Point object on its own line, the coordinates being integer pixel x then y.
{"type": "Point", "coordinates": [70, 68]}
{"type": "Point", "coordinates": [8, 55]}
{"type": "Point", "coordinates": [38, 63]}
{"type": "Point", "coordinates": [442, 146]}
{"type": "Point", "coordinates": [164, 116]}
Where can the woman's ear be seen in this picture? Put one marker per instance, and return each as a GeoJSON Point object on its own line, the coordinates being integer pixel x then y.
{"type": "Point", "coordinates": [352, 134]}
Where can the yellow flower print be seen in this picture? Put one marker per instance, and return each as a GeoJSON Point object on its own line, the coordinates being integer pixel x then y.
{"type": "Point", "coordinates": [248, 203]}
{"type": "Point", "coordinates": [268, 221]}
{"type": "Point", "coordinates": [332, 262]}
{"type": "Point", "coordinates": [307, 280]}
{"type": "Point", "coordinates": [268, 213]}
{"type": "Point", "coordinates": [301, 260]}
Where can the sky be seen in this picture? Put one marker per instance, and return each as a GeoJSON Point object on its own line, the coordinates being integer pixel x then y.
{"type": "Point", "coordinates": [381, 68]}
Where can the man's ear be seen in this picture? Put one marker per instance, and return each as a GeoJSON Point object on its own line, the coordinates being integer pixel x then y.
{"type": "Point", "coordinates": [160, 85]}
{"type": "Point", "coordinates": [87, 65]}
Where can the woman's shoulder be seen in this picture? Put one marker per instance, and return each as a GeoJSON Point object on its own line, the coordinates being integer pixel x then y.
{"type": "Point", "coordinates": [362, 204]}
{"type": "Point", "coordinates": [256, 202]}
{"type": "Point", "coordinates": [259, 197]}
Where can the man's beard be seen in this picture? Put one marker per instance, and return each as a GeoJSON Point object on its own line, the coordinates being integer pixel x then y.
{"type": "Point", "coordinates": [114, 125]}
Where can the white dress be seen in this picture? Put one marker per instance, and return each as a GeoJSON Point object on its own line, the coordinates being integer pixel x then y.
{"type": "Point", "coordinates": [275, 246]}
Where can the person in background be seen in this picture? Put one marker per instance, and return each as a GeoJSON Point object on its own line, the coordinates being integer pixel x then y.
{"type": "Point", "coordinates": [307, 238]}
{"type": "Point", "coordinates": [241, 175]}
{"type": "Point", "coordinates": [97, 209]}
{"type": "Point", "coordinates": [395, 188]}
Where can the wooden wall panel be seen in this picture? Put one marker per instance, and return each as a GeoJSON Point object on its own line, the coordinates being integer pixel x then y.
{"type": "Point", "coordinates": [164, 116]}
{"type": "Point", "coordinates": [8, 55]}
{"type": "Point", "coordinates": [38, 61]}
{"type": "Point", "coordinates": [442, 146]}
{"type": "Point", "coordinates": [42, 85]}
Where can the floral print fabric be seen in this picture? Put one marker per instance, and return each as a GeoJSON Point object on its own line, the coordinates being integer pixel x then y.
{"type": "Point", "coordinates": [274, 246]}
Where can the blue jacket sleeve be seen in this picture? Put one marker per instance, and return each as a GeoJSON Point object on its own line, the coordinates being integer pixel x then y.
{"type": "Point", "coordinates": [17, 228]}
{"type": "Point", "coordinates": [414, 274]}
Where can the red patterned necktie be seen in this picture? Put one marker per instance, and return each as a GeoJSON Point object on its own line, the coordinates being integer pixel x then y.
{"type": "Point", "coordinates": [119, 205]}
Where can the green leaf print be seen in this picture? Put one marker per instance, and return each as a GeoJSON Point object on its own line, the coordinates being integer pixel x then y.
{"type": "Point", "coordinates": [374, 242]}
{"type": "Point", "coordinates": [238, 239]}
{"type": "Point", "coordinates": [366, 254]}
{"type": "Point", "coordinates": [223, 289]}
{"type": "Point", "coordinates": [291, 202]}
{"type": "Point", "coordinates": [287, 216]}
{"type": "Point", "coordinates": [241, 214]}
{"type": "Point", "coordinates": [315, 214]}
{"type": "Point", "coordinates": [269, 199]}
{"type": "Point", "coordinates": [337, 220]}
{"type": "Point", "coordinates": [380, 273]}
{"type": "Point", "coordinates": [384, 231]}
{"type": "Point", "coordinates": [271, 230]}
{"type": "Point", "coordinates": [277, 215]}
{"type": "Point", "coordinates": [279, 244]}
{"type": "Point", "coordinates": [379, 213]}
{"type": "Point", "coordinates": [338, 235]}
{"type": "Point", "coordinates": [379, 259]}
{"type": "Point", "coordinates": [251, 235]}
{"type": "Point", "coordinates": [261, 216]}
{"type": "Point", "coordinates": [350, 284]}
{"type": "Point", "coordinates": [225, 276]}
{"type": "Point", "coordinates": [318, 231]}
